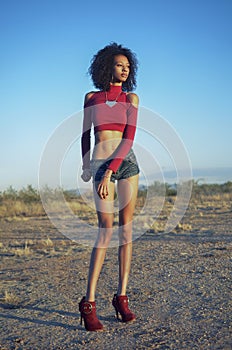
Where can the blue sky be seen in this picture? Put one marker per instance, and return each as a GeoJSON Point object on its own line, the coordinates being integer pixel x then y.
{"type": "Point", "coordinates": [184, 50]}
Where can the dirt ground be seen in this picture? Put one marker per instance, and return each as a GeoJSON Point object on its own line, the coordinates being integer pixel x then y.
{"type": "Point", "coordinates": [179, 288]}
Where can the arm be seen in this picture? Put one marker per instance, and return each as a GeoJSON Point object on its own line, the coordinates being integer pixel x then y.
{"type": "Point", "coordinates": [85, 139]}
{"type": "Point", "coordinates": [128, 134]}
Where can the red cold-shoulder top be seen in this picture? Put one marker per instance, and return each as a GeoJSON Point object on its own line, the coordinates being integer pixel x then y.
{"type": "Point", "coordinates": [109, 110]}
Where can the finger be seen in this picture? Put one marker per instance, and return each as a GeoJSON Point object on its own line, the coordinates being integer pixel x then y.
{"type": "Point", "coordinates": [99, 190]}
{"type": "Point", "coordinates": [103, 196]}
{"type": "Point", "coordinates": [102, 193]}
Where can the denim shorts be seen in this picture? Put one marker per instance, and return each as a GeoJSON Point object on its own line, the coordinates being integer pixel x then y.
{"type": "Point", "coordinates": [129, 167]}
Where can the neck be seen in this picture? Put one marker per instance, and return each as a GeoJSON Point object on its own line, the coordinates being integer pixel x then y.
{"type": "Point", "coordinates": [118, 83]}
{"type": "Point", "coordinates": [115, 87]}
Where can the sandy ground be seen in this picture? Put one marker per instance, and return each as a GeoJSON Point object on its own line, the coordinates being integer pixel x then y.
{"type": "Point", "coordinates": [179, 288]}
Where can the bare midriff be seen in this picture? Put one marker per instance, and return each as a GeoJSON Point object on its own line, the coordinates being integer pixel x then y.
{"type": "Point", "coordinates": [106, 142]}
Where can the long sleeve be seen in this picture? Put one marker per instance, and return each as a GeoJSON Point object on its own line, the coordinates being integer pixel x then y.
{"type": "Point", "coordinates": [127, 139]}
{"type": "Point", "coordinates": [85, 138]}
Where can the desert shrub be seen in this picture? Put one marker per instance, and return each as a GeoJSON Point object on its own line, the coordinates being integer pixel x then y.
{"type": "Point", "coordinates": [158, 189]}
{"type": "Point", "coordinates": [9, 193]}
{"type": "Point", "coordinates": [170, 190]}
{"type": "Point", "coordinates": [211, 189]}
{"type": "Point", "coordinates": [27, 201]}
{"type": "Point", "coordinates": [227, 187]}
{"type": "Point", "coordinates": [29, 195]}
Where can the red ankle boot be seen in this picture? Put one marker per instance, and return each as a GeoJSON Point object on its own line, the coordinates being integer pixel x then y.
{"type": "Point", "coordinates": [88, 313]}
{"type": "Point", "coordinates": [120, 303]}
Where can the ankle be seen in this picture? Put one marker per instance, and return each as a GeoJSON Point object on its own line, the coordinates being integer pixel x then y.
{"type": "Point", "coordinates": [121, 292]}
{"type": "Point", "coordinates": [90, 298]}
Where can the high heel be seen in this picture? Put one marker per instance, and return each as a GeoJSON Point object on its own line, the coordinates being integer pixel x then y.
{"type": "Point", "coordinates": [88, 313]}
{"type": "Point", "coordinates": [120, 303]}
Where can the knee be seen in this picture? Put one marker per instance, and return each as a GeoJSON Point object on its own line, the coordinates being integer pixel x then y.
{"type": "Point", "coordinates": [104, 237]}
{"type": "Point", "coordinates": [125, 234]}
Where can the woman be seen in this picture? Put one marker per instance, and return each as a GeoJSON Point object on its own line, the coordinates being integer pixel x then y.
{"type": "Point", "coordinates": [113, 113]}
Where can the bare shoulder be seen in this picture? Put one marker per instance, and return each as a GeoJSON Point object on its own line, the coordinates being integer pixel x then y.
{"type": "Point", "coordinates": [133, 98]}
{"type": "Point", "coordinates": [88, 96]}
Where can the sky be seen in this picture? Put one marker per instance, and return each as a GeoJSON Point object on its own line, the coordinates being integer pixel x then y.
{"type": "Point", "coordinates": [184, 49]}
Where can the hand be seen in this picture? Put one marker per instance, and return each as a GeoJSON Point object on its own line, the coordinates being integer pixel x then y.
{"type": "Point", "coordinates": [86, 175]}
{"type": "Point", "coordinates": [103, 186]}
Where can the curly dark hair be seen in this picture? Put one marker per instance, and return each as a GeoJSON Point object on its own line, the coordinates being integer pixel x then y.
{"type": "Point", "coordinates": [101, 66]}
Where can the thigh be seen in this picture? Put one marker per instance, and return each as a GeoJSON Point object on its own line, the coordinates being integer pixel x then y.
{"type": "Point", "coordinates": [105, 207]}
{"type": "Point", "coordinates": [127, 195]}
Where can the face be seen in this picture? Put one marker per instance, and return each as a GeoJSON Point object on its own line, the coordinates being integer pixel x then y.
{"type": "Point", "coordinates": [121, 69]}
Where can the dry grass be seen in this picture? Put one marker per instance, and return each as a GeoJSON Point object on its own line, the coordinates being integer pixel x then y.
{"type": "Point", "coordinates": [17, 208]}
{"type": "Point", "coordinates": [25, 251]}
{"type": "Point", "coordinates": [10, 300]}
{"type": "Point", "coordinates": [32, 247]}
{"type": "Point", "coordinates": [47, 242]}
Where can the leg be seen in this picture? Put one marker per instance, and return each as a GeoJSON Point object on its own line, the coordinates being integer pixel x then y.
{"type": "Point", "coordinates": [127, 194]}
{"type": "Point", "coordinates": [105, 224]}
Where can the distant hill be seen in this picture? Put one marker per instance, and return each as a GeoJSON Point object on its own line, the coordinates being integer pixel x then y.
{"type": "Point", "coordinates": [213, 175]}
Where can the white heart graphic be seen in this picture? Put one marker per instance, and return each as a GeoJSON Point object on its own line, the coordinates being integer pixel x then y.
{"type": "Point", "coordinates": [111, 103]}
